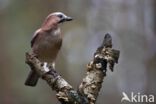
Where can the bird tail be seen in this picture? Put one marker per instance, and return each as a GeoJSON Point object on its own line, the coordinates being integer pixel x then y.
{"type": "Point", "coordinates": [32, 79]}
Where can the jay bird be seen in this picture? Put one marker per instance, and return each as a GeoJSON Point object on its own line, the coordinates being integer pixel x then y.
{"type": "Point", "coordinates": [46, 43]}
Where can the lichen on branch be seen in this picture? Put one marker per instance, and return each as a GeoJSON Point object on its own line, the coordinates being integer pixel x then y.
{"type": "Point", "coordinates": [90, 86]}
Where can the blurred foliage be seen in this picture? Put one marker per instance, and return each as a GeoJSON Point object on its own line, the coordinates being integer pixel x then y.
{"type": "Point", "coordinates": [131, 23]}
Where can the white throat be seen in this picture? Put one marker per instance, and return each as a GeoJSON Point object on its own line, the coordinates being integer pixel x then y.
{"type": "Point", "coordinates": [57, 32]}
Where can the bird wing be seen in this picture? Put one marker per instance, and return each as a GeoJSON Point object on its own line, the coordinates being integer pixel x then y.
{"type": "Point", "coordinates": [36, 34]}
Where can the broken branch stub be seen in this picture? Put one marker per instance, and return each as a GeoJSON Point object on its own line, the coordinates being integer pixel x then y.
{"type": "Point", "coordinates": [96, 69]}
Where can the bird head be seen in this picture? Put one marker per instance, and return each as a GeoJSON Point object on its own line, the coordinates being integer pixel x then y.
{"type": "Point", "coordinates": [62, 17]}
{"type": "Point", "coordinates": [54, 19]}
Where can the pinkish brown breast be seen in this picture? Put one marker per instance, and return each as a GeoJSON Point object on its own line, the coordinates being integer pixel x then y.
{"type": "Point", "coordinates": [47, 45]}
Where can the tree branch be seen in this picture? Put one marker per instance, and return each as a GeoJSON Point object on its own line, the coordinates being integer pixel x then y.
{"type": "Point", "coordinates": [90, 86]}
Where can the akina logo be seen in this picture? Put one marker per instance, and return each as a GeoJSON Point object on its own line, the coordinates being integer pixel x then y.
{"type": "Point", "coordinates": [137, 97]}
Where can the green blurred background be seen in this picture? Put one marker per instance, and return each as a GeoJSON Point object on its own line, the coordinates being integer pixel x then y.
{"type": "Point", "coordinates": [131, 23]}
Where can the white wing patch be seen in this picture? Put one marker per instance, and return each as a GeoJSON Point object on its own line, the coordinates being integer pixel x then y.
{"type": "Point", "coordinates": [45, 67]}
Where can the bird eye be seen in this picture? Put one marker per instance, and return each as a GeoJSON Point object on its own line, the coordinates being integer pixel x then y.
{"type": "Point", "coordinates": [60, 16]}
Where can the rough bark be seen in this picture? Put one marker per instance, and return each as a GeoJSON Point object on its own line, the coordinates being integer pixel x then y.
{"type": "Point", "coordinates": [90, 86]}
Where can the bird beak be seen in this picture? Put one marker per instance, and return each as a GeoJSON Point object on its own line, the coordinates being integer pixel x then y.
{"type": "Point", "coordinates": [68, 19]}
{"type": "Point", "coordinates": [65, 19]}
